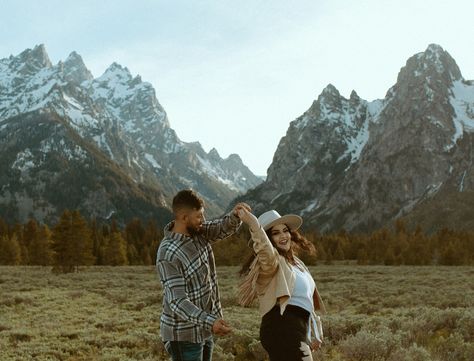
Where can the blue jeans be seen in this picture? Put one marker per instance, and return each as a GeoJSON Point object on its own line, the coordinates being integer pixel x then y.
{"type": "Point", "coordinates": [189, 351]}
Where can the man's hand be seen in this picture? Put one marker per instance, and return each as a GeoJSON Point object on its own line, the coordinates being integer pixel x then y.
{"type": "Point", "coordinates": [315, 345]}
{"type": "Point", "coordinates": [221, 327]}
{"type": "Point", "coordinates": [240, 206]}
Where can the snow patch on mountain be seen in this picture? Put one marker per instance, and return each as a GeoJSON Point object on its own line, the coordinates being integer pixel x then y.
{"type": "Point", "coordinates": [80, 120]}
{"type": "Point", "coordinates": [152, 161]}
{"type": "Point", "coordinates": [120, 114]}
{"type": "Point", "coordinates": [356, 144]}
{"type": "Point", "coordinates": [24, 161]}
{"type": "Point", "coordinates": [101, 141]}
{"type": "Point", "coordinates": [312, 205]}
{"type": "Point", "coordinates": [462, 101]}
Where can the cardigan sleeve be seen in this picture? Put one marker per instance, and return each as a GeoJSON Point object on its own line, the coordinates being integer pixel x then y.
{"type": "Point", "coordinates": [267, 255]}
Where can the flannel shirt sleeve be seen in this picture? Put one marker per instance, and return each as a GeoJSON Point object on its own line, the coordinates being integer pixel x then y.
{"type": "Point", "coordinates": [175, 291]}
{"type": "Point", "coordinates": [221, 228]}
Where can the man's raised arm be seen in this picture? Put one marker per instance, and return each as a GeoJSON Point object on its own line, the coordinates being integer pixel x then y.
{"type": "Point", "coordinates": [225, 226]}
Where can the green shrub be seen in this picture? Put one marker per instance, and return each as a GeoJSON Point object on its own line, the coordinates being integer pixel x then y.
{"type": "Point", "coordinates": [370, 346]}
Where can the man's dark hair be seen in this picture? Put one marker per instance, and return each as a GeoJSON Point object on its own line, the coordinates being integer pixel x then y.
{"type": "Point", "coordinates": [187, 198]}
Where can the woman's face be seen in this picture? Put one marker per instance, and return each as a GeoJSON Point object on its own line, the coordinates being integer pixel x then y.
{"type": "Point", "coordinates": [281, 236]}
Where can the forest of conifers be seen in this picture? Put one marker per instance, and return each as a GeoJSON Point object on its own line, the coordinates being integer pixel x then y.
{"type": "Point", "coordinates": [74, 241]}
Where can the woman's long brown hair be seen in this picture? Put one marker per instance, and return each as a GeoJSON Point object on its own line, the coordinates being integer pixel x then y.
{"type": "Point", "coordinates": [299, 243]}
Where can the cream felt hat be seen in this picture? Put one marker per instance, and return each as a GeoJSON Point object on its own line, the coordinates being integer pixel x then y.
{"type": "Point", "coordinates": [271, 218]}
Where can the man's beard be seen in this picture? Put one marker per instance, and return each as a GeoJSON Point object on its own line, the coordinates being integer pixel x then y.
{"type": "Point", "coordinates": [194, 231]}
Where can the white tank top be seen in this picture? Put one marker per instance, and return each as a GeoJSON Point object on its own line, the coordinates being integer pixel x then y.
{"type": "Point", "coordinates": [302, 295]}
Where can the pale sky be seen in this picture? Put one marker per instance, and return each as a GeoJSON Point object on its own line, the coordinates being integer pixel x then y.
{"type": "Point", "coordinates": [233, 74]}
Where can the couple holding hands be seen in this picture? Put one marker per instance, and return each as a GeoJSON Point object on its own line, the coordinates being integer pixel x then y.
{"type": "Point", "coordinates": [286, 292]}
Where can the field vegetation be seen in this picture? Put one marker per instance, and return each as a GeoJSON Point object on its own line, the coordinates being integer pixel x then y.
{"type": "Point", "coordinates": [396, 313]}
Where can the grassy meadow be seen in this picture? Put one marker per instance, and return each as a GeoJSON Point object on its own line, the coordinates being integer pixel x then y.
{"type": "Point", "coordinates": [112, 313]}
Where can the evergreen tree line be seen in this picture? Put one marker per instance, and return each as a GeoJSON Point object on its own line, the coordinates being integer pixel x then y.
{"type": "Point", "coordinates": [394, 246]}
{"type": "Point", "coordinates": [74, 242]}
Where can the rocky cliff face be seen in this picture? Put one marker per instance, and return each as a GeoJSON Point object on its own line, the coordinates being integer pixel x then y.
{"type": "Point", "coordinates": [117, 125]}
{"type": "Point", "coordinates": [353, 164]}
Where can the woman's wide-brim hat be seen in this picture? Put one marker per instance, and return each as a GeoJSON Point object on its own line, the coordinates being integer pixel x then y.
{"type": "Point", "coordinates": [271, 218]}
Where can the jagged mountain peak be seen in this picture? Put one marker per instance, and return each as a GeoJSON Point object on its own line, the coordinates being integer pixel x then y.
{"type": "Point", "coordinates": [354, 97]}
{"type": "Point", "coordinates": [122, 123]}
{"type": "Point", "coordinates": [435, 49]}
{"type": "Point", "coordinates": [442, 61]}
{"type": "Point", "coordinates": [118, 83]}
{"type": "Point", "coordinates": [36, 58]}
{"type": "Point", "coordinates": [74, 56]}
{"type": "Point", "coordinates": [332, 109]}
{"type": "Point", "coordinates": [330, 91]}
{"type": "Point", "coordinates": [329, 99]}
{"type": "Point", "coordinates": [137, 80]}
{"type": "Point", "coordinates": [433, 63]}
{"type": "Point", "coordinates": [213, 153]}
{"type": "Point", "coordinates": [235, 158]}
{"type": "Point", "coordinates": [75, 69]}
{"type": "Point", "coordinates": [115, 69]}
{"type": "Point", "coordinates": [359, 165]}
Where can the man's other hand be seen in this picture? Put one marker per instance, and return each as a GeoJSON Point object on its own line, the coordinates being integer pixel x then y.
{"type": "Point", "coordinates": [221, 327]}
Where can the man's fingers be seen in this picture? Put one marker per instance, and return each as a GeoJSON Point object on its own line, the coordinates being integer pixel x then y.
{"type": "Point", "coordinates": [225, 330]}
{"type": "Point", "coordinates": [315, 345]}
{"type": "Point", "coordinates": [242, 206]}
{"type": "Point", "coordinates": [221, 328]}
{"type": "Point", "coordinates": [224, 327]}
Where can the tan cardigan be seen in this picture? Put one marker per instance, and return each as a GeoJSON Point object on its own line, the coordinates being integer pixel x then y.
{"type": "Point", "coordinates": [271, 278]}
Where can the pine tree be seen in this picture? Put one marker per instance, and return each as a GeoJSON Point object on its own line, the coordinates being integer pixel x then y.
{"type": "Point", "coordinates": [153, 236]}
{"type": "Point", "coordinates": [72, 242]}
{"type": "Point", "coordinates": [97, 241]}
{"type": "Point", "coordinates": [418, 252]}
{"type": "Point", "coordinates": [82, 240]}
{"type": "Point", "coordinates": [115, 251]}
{"type": "Point", "coordinates": [10, 252]}
{"type": "Point", "coordinates": [389, 258]}
{"type": "Point", "coordinates": [320, 253]}
{"type": "Point", "coordinates": [17, 230]}
{"type": "Point", "coordinates": [362, 257]}
{"type": "Point", "coordinates": [145, 256]}
{"type": "Point", "coordinates": [448, 256]}
{"type": "Point", "coordinates": [4, 229]}
{"type": "Point", "coordinates": [329, 258]}
{"type": "Point", "coordinates": [30, 233]}
{"type": "Point", "coordinates": [103, 236]}
{"type": "Point", "coordinates": [132, 255]}
{"type": "Point", "coordinates": [62, 238]}
{"type": "Point", "coordinates": [40, 248]}
{"type": "Point", "coordinates": [339, 253]}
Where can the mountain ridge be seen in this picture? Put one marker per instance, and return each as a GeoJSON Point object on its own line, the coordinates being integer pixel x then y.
{"type": "Point", "coordinates": [358, 165]}
{"type": "Point", "coordinates": [121, 116]}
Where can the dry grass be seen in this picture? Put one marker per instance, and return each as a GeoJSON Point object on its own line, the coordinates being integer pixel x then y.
{"type": "Point", "coordinates": [112, 313]}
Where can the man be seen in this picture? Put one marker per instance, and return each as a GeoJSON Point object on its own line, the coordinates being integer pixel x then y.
{"type": "Point", "coordinates": [192, 311]}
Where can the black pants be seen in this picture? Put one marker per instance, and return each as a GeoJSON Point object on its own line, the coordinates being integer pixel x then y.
{"type": "Point", "coordinates": [285, 337]}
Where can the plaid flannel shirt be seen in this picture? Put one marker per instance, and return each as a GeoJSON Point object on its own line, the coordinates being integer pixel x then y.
{"type": "Point", "coordinates": [187, 272]}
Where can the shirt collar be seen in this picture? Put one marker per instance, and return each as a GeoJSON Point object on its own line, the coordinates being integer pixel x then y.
{"type": "Point", "coordinates": [173, 235]}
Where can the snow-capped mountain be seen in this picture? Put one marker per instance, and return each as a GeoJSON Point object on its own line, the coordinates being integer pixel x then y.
{"type": "Point", "coordinates": [113, 123]}
{"type": "Point", "coordinates": [358, 165]}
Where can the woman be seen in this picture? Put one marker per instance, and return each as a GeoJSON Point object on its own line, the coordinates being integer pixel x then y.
{"type": "Point", "coordinates": [286, 291]}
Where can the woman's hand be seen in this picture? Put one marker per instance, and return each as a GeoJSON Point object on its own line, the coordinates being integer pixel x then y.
{"type": "Point", "coordinates": [249, 219]}
{"type": "Point", "coordinates": [240, 206]}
